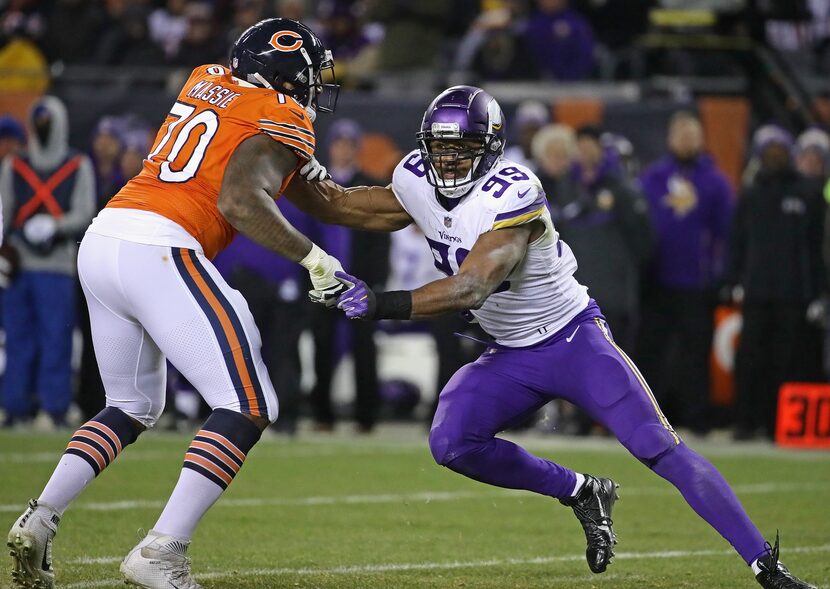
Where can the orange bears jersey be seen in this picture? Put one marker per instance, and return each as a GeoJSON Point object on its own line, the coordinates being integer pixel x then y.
{"type": "Point", "coordinates": [183, 172]}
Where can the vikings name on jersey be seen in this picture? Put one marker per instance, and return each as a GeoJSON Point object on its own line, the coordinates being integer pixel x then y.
{"type": "Point", "coordinates": [540, 295]}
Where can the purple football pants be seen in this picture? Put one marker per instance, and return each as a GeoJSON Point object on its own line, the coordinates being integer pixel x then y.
{"type": "Point", "coordinates": [581, 364]}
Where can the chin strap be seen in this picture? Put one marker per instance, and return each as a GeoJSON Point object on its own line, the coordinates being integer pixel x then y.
{"type": "Point", "coordinates": [259, 78]}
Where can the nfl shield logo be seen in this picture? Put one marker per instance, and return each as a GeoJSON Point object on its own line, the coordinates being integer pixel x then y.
{"type": "Point", "coordinates": [448, 222]}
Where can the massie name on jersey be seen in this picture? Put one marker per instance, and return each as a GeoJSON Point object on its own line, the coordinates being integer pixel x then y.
{"type": "Point", "coordinates": [214, 94]}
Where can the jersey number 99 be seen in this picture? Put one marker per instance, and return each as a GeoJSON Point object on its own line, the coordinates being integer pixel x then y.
{"type": "Point", "coordinates": [441, 253]}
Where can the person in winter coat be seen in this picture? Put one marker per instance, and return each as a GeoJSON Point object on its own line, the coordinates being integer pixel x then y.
{"type": "Point", "coordinates": [776, 270]}
{"type": "Point", "coordinates": [48, 197]}
{"type": "Point", "coordinates": [691, 205]}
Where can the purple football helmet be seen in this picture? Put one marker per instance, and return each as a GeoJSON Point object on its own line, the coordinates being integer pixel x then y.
{"type": "Point", "coordinates": [457, 114]}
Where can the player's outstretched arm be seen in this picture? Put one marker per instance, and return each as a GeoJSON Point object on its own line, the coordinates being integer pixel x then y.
{"type": "Point", "coordinates": [246, 199]}
{"type": "Point", "coordinates": [488, 264]}
{"type": "Point", "coordinates": [370, 208]}
{"type": "Point", "coordinates": [255, 172]}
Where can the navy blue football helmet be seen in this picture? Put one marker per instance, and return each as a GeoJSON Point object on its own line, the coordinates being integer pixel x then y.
{"type": "Point", "coordinates": [462, 123]}
{"type": "Point", "coordinates": [285, 55]}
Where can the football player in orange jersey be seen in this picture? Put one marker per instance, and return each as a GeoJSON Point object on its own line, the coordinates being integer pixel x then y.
{"type": "Point", "coordinates": [232, 141]}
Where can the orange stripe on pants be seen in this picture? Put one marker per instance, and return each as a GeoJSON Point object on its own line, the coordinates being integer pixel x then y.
{"type": "Point", "coordinates": [227, 327]}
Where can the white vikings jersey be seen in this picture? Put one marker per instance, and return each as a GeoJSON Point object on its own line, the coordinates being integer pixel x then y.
{"type": "Point", "coordinates": [411, 264]}
{"type": "Point", "coordinates": [540, 296]}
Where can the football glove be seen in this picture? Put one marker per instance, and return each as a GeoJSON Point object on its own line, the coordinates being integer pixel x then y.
{"type": "Point", "coordinates": [314, 171]}
{"type": "Point", "coordinates": [321, 268]}
{"type": "Point", "coordinates": [358, 301]}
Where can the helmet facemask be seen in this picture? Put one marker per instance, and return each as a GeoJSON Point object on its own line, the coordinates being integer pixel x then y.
{"type": "Point", "coordinates": [308, 87]}
{"type": "Point", "coordinates": [453, 158]}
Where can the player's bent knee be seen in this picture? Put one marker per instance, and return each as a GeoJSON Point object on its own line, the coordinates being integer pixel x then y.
{"type": "Point", "coordinates": [650, 441]}
{"type": "Point", "coordinates": [273, 412]}
{"type": "Point", "coordinates": [145, 413]}
{"type": "Point", "coordinates": [447, 443]}
{"type": "Point", "coordinates": [439, 445]}
{"type": "Point", "coordinates": [258, 420]}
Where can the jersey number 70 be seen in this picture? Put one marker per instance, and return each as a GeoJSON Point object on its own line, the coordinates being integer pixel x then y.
{"type": "Point", "coordinates": [184, 125]}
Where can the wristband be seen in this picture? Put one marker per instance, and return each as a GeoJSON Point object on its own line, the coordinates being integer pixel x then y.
{"type": "Point", "coordinates": [395, 304]}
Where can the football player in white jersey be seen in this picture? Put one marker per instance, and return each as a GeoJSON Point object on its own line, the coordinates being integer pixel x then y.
{"type": "Point", "coordinates": [487, 224]}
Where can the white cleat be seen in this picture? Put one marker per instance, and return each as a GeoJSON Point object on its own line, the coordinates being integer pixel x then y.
{"type": "Point", "coordinates": [30, 544]}
{"type": "Point", "coordinates": [159, 562]}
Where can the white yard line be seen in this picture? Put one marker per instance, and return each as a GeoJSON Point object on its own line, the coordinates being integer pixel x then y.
{"type": "Point", "coordinates": [418, 497]}
{"type": "Point", "coordinates": [406, 438]}
{"type": "Point", "coordinates": [429, 566]}
{"type": "Point", "coordinates": [268, 451]}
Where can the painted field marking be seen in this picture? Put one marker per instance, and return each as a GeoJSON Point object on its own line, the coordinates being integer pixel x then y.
{"type": "Point", "coordinates": [429, 566]}
{"type": "Point", "coordinates": [419, 497]}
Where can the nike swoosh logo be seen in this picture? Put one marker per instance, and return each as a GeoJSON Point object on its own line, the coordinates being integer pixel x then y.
{"type": "Point", "coordinates": [298, 114]}
{"type": "Point", "coordinates": [523, 194]}
{"type": "Point", "coordinates": [568, 339]}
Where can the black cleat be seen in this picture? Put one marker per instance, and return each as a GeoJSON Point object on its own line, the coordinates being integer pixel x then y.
{"type": "Point", "coordinates": [775, 575]}
{"type": "Point", "coordinates": [592, 506]}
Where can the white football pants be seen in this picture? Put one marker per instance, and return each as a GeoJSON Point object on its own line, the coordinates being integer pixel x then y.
{"type": "Point", "coordinates": [150, 302]}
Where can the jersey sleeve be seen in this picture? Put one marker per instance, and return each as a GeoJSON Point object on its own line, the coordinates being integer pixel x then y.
{"type": "Point", "coordinates": [407, 172]}
{"type": "Point", "coordinates": [288, 124]}
{"type": "Point", "coordinates": [520, 203]}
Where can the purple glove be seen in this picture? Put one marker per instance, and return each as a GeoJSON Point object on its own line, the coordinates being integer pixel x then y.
{"type": "Point", "coordinates": [358, 302]}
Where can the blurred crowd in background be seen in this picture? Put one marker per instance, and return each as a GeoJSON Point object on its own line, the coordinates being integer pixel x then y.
{"type": "Point", "coordinates": [387, 41]}
{"type": "Point", "coordinates": [661, 244]}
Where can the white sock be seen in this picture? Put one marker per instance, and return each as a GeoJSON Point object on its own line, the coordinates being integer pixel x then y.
{"type": "Point", "coordinates": [580, 480]}
{"type": "Point", "coordinates": [71, 476]}
{"type": "Point", "coordinates": [755, 568]}
{"type": "Point", "coordinates": [192, 497]}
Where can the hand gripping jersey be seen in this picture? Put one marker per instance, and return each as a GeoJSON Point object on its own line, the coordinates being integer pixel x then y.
{"type": "Point", "coordinates": [540, 296]}
{"type": "Point", "coordinates": [212, 115]}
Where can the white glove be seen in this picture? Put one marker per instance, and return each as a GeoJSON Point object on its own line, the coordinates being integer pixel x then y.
{"type": "Point", "coordinates": [816, 312]}
{"type": "Point", "coordinates": [321, 268]}
{"type": "Point", "coordinates": [314, 171]}
{"type": "Point", "coordinates": [40, 229]}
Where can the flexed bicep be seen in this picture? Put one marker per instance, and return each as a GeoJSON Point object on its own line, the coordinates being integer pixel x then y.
{"type": "Point", "coordinates": [370, 208]}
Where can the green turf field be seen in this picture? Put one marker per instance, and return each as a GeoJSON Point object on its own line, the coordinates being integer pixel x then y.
{"type": "Point", "coordinates": [378, 513]}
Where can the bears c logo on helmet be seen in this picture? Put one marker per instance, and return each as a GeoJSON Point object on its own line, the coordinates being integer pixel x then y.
{"type": "Point", "coordinates": [278, 37]}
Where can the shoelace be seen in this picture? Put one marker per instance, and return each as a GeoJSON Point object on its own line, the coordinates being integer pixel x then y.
{"type": "Point", "coordinates": [774, 551]}
{"type": "Point", "coordinates": [595, 533]}
{"type": "Point", "coordinates": [178, 569]}
{"type": "Point", "coordinates": [786, 580]}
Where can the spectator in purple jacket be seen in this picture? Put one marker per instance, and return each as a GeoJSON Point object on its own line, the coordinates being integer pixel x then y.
{"type": "Point", "coordinates": [691, 205]}
{"type": "Point", "coordinates": [560, 41]}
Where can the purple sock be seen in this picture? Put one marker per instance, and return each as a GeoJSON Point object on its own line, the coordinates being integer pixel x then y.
{"type": "Point", "coordinates": [708, 493]}
{"type": "Point", "coordinates": [504, 464]}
